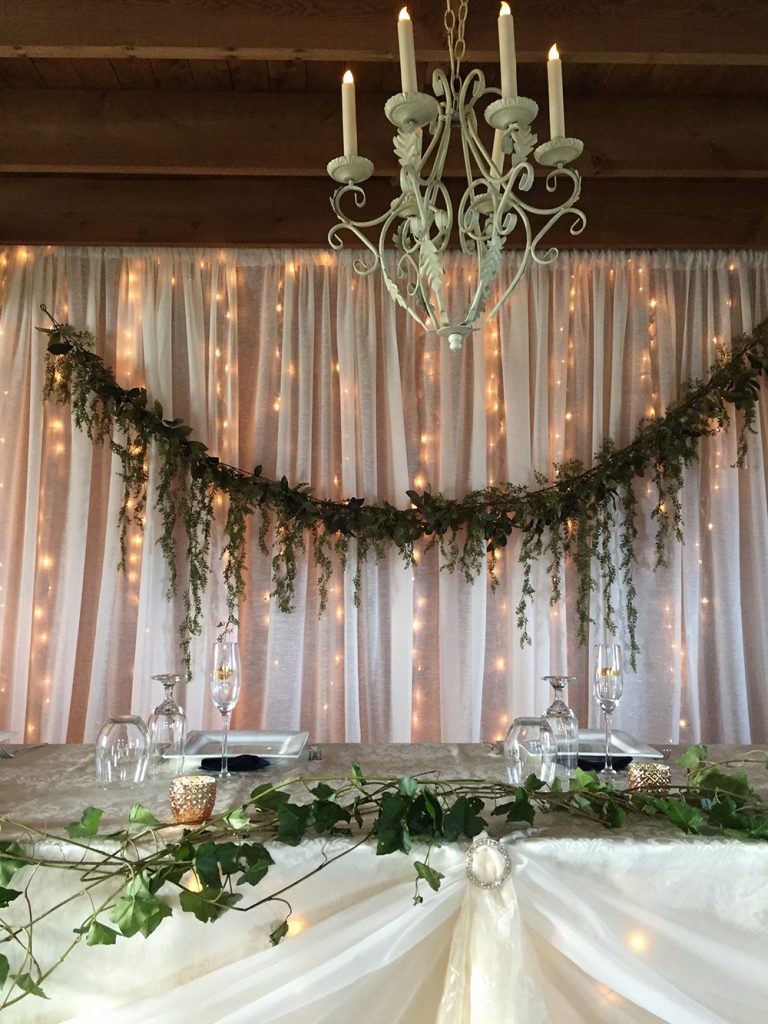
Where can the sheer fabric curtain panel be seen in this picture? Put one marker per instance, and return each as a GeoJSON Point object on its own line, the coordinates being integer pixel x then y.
{"type": "Point", "coordinates": [291, 361]}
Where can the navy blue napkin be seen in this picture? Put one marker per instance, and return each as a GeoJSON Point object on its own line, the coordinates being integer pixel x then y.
{"type": "Point", "coordinates": [596, 762]}
{"type": "Point", "coordinates": [239, 763]}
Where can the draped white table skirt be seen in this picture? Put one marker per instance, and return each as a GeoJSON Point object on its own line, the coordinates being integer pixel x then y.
{"type": "Point", "coordinates": [589, 928]}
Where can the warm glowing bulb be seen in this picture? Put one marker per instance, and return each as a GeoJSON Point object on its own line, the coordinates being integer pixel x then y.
{"type": "Point", "coordinates": [348, 77]}
{"type": "Point", "coordinates": [404, 15]}
{"type": "Point", "coordinates": [553, 53]}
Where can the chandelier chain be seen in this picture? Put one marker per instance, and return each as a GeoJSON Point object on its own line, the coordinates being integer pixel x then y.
{"type": "Point", "coordinates": [454, 29]}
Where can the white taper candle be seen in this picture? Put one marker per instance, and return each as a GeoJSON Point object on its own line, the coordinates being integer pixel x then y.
{"type": "Point", "coordinates": [348, 114]}
{"type": "Point", "coordinates": [555, 82]}
{"type": "Point", "coordinates": [507, 60]}
{"type": "Point", "coordinates": [408, 80]}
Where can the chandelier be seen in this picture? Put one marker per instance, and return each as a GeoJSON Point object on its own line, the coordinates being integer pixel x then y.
{"type": "Point", "coordinates": [420, 221]}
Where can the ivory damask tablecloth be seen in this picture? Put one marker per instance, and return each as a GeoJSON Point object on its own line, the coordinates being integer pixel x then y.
{"type": "Point", "coordinates": [638, 926]}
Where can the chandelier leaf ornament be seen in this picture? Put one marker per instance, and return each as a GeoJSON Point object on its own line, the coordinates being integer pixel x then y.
{"type": "Point", "coordinates": [572, 515]}
{"type": "Point", "coordinates": [422, 221]}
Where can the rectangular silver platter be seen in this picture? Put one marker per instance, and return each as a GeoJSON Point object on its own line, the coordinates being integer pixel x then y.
{"type": "Point", "coordinates": [592, 744]}
{"type": "Point", "coordinates": [285, 746]}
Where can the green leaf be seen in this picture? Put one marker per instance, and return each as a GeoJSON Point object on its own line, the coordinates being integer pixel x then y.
{"type": "Point", "coordinates": [326, 814]}
{"type": "Point", "coordinates": [408, 786]}
{"type": "Point", "coordinates": [358, 779]}
{"type": "Point", "coordinates": [276, 936]}
{"type": "Point", "coordinates": [8, 896]}
{"type": "Point", "coordinates": [692, 757]}
{"type": "Point", "coordinates": [27, 984]}
{"type": "Point", "coordinates": [268, 798]}
{"type": "Point", "coordinates": [685, 817]}
{"type": "Point", "coordinates": [237, 818]}
{"type": "Point", "coordinates": [88, 825]}
{"type": "Point", "coordinates": [294, 820]}
{"type": "Point", "coordinates": [323, 791]}
{"type": "Point", "coordinates": [137, 909]}
{"type": "Point", "coordinates": [100, 935]}
{"type": "Point", "coordinates": [141, 819]}
{"type": "Point", "coordinates": [208, 904]}
{"type": "Point", "coordinates": [430, 875]}
{"type": "Point", "coordinates": [12, 859]}
{"type": "Point", "coordinates": [4, 968]}
{"type": "Point", "coordinates": [463, 819]}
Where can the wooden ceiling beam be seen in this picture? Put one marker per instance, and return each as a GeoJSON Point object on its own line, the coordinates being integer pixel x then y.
{"type": "Point", "coordinates": [279, 134]}
{"type": "Point", "coordinates": [587, 31]}
{"type": "Point", "coordinates": [80, 210]}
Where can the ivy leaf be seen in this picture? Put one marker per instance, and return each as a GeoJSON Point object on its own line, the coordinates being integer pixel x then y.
{"type": "Point", "coordinates": [276, 936]}
{"type": "Point", "coordinates": [294, 820]}
{"type": "Point", "coordinates": [208, 904]}
{"type": "Point", "coordinates": [358, 779]}
{"type": "Point", "coordinates": [138, 910]}
{"type": "Point", "coordinates": [88, 825]}
{"type": "Point", "coordinates": [100, 935]}
{"type": "Point", "coordinates": [8, 896]}
{"type": "Point", "coordinates": [463, 819]}
{"type": "Point", "coordinates": [4, 968]}
{"type": "Point", "coordinates": [685, 817]}
{"type": "Point", "coordinates": [27, 984]}
{"type": "Point", "coordinates": [141, 815]}
{"type": "Point", "coordinates": [408, 786]}
{"type": "Point", "coordinates": [430, 875]}
{"type": "Point", "coordinates": [326, 814]}
{"type": "Point", "coordinates": [268, 798]}
{"type": "Point", "coordinates": [237, 818]}
{"type": "Point", "coordinates": [258, 859]}
{"type": "Point", "coordinates": [12, 858]}
{"type": "Point", "coordinates": [519, 809]}
{"type": "Point", "coordinates": [692, 757]}
{"type": "Point", "coordinates": [323, 791]}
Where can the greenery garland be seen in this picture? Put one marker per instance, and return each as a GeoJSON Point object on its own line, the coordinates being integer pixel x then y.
{"type": "Point", "coordinates": [575, 514]}
{"type": "Point", "coordinates": [129, 875]}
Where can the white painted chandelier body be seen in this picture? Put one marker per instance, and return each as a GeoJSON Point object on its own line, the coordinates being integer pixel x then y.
{"type": "Point", "coordinates": [495, 203]}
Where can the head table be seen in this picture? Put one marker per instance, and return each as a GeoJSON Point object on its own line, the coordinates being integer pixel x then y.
{"type": "Point", "coordinates": [639, 925]}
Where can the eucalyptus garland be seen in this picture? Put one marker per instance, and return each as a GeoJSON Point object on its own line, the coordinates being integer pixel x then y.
{"type": "Point", "coordinates": [128, 876]}
{"type": "Point", "coordinates": [574, 514]}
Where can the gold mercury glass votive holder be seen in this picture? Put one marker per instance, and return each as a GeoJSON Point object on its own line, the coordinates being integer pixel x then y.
{"type": "Point", "coordinates": [192, 798]}
{"type": "Point", "coordinates": [649, 776]}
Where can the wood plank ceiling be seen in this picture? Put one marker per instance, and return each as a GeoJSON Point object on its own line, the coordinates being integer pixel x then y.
{"type": "Point", "coordinates": [211, 121]}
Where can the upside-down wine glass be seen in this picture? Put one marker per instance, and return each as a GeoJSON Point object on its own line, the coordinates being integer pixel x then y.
{"type": "Point", "coordinates": [225, 689]}
{"type": "Point", "coordinates": [608, 687]}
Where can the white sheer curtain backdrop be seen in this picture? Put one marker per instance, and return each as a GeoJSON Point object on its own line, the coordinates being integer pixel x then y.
{"type": "Point", "coordinates": [287, 359]}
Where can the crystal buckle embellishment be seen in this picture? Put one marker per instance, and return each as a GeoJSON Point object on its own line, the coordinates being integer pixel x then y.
{"type": "Point", "coordinates": [493, 855]}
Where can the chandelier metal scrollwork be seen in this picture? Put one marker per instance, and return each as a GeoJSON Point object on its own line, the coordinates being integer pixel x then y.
{"type": "Point", "coordinates": [420, 222]}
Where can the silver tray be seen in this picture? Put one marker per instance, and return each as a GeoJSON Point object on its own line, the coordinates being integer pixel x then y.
{"type": "Point", "coordinates": [592, 744]}
{"type": "Point", "coordinates": [283, 746]}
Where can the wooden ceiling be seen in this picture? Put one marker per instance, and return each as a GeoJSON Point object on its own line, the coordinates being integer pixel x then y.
{"type": "Point", "coordinates": [211, 121]}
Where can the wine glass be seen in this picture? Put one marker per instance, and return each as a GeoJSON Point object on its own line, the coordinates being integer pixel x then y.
{"type": "Point", "coordinates": [225, 689]}
{"type": "Point", "coordinates": [167, 726]}
{"type": "Point", "coordinates": [607, 688]}
{"type": "Point", "coordinates": [122, 751]}
{"type": "Point", "coordinates": [530, 749]}
{"type": "Point", "coordinates": [564, 724]}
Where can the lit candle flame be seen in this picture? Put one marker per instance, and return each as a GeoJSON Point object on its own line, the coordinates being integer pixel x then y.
{"type": "Point", "coordinates": [554, 53]}
{"type": "Point", "coordinates": [404, 15]}
{"type": "Point", "coordinates": [348, 77]}
{"type": "Point", "coordinates": [505, 8]}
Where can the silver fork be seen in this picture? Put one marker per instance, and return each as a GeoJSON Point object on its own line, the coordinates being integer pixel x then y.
{"type": "Point", "coordinates": [665, 752]}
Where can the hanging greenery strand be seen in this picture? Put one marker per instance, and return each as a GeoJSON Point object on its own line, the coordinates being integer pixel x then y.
{"type": "Point", "coordinates": [575, 514]}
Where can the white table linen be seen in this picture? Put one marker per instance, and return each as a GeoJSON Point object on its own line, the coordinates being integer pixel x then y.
{"type": "Point", "coordinates": [638, 926]}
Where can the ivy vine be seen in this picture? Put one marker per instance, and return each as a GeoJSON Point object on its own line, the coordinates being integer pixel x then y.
{"type": "Point", "coordinates": [575, 514]}
{"type": "Point", "coordinates": [131, 876]}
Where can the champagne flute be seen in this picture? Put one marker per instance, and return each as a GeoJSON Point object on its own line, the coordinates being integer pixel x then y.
{"type": "Point", "coordinates": [225, 689]}
{"type": "Point", "coordinates": [608, 687]}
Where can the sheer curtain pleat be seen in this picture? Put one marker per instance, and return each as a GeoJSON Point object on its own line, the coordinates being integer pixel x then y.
{"type": "Point", "coordinates": [292, 361]}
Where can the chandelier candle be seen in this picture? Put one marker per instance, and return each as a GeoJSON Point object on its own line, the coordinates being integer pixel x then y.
{"type": "Point", "coordinates": [408, 78]}
{"type": "Point", "coordinates": [555, 82]}
{"type": "Point", "coordinates": [348, 114]}
{"type": "Point", "coordinates": [507, 60]}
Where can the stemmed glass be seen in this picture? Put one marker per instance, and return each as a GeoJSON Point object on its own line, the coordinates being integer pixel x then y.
{"type": "Point", "coordinates": [167, 725]}
{"type": "Point", "coordinates": [225, 689]}
{"type": "Point", "coordinates": [563, 723]}
{"type": "Point", "coordinates": [608, 687]}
